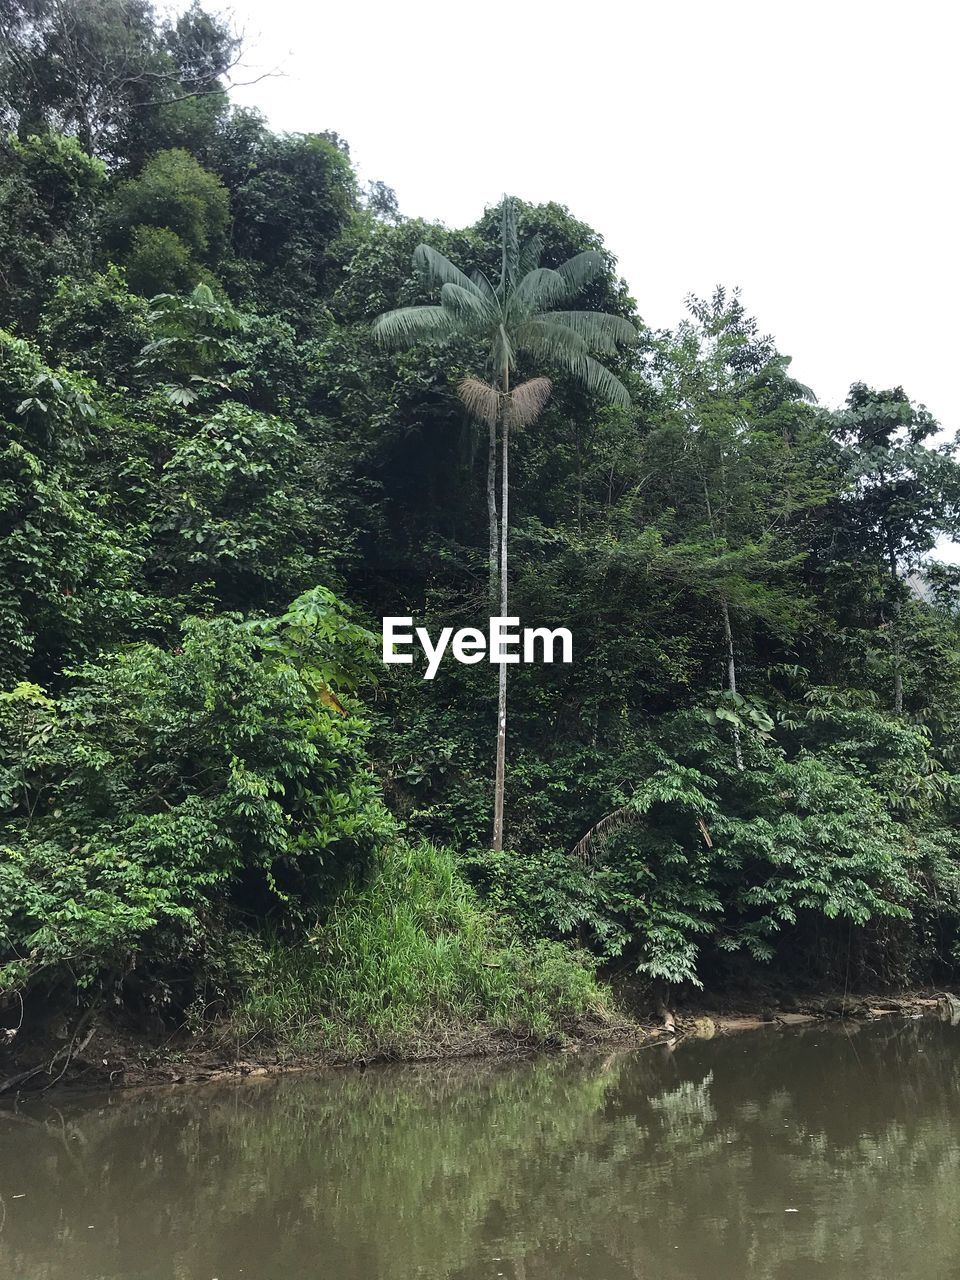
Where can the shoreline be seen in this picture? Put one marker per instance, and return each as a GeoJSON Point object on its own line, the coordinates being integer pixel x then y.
{"type": "Point", "coordinates": [113, 1060]}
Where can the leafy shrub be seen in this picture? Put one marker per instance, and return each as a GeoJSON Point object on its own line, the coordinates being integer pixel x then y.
{"type": "Point", "coordinates": [158, 261]}
{"type": "Point", "coordinates": [49, 192]}
{"type": "Point", "coordinates": [66, 577]}
{"type": "Point", "coordinates": [96, 325]}
{"type": "Point", "coordinates": [701, 858]}
{"type": "Point", "coordinates": [174, 192]}
{"type": "Point", "coordinates": [168, 791]}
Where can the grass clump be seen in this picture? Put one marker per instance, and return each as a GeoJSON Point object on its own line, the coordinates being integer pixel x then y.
{"type": "Point", "coordinates": [410, 964]}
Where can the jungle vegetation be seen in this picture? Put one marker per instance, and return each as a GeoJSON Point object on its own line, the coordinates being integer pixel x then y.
{"type": "Point", "coordinates": [248, 408]}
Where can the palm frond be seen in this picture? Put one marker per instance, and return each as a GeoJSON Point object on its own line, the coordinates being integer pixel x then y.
{"type": "Point", "coordinates": [480, 399]}
{"type": "Point", "coordinates": [483, 284]}
{"type": "Point", "coordinates": [778, 371]}
{"type": "Point", "coordinates": [503, 354]}
{"type": "Point", "coordinates": [438, 269]}
{"type": "Point", "coordinates": [540, 288]}
{"type": "Point", "coordinates": [600, 331]}
{"type": "Point", "coordinates": [597, 378]}
{"type": "Point", "coordinates": [592, 843]}
{"type": "Point", "coordinates": [468, 307]}
{"type": "Point", "coordinates": [527, 401]}
{"type": "Point", "coordinates": [555, 342]}
{"type": "Point", "coordinates": [800, 391]}
{"type": "Point", "coordinates": [580, 270]}
{"type": "Point", "coordinates": [407, 325]}
{"type": "Point", "coordinates": [548, 341]}
{"type": "Point", "coordinates": [529, 257]}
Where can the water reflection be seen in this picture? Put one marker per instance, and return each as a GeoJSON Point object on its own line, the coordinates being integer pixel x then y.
{"type": "Point", "coordinates": [787, 1155]}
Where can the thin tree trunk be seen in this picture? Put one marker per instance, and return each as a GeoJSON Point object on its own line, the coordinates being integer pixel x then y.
{"type": "Point", "coordinates": [727, 634]}
{"type": "Point", "coordinates": [500, 778]}
{"type": "Point", "coordinates": [492, 511]}
{"type": "Point", "coordinates": [579, 481]}
{"type": "Point", "coordinates": [895, 653]}
{"type": "Point", "coordinates": [731, 675]}
{"type": "Point", "coordinates": [897, 661]}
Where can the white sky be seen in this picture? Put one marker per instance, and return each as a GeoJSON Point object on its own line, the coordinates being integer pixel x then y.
{"type": "Point", "coordinates": [807, 152]}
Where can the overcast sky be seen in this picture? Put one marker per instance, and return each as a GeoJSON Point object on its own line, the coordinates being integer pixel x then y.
{"type": "Point", "coordinates": [807, 152]}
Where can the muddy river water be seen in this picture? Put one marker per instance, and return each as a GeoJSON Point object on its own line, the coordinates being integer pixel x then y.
{"type": "Point", "coordinates": [828, 1152]}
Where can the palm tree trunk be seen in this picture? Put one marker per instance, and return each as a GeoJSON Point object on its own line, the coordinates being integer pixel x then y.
{"type": "Point", "coordinates": [895, 632]}
{"type": "Point", "coordinates": [492, 511]}
{"type": "Point", "coordinates": [500, 778]}
{"type": "Point", "coordinates": [731, 675]}
{"type": "Point", "coordinates": [897, 660]}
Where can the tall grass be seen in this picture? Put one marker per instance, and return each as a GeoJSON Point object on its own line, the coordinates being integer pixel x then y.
{"type": "Point", "coordinates": [412, 964]}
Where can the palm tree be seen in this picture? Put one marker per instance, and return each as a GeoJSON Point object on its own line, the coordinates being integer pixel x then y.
{"type": "Point", "coordinates": [515, 316]}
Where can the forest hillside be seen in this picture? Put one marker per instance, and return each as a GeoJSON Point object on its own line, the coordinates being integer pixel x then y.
{"type": "Point", "coordinates": [220, 468]}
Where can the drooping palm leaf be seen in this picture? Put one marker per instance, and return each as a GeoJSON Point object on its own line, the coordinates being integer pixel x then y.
{"type": "Point", "coordinates": [438, 269]}
{"type": "Point", "coordinates": [589, 845]}
{"type": "Point", "coordinates": [527, 401]}
{"type": "Point", "coordinates": [530, 252]}
{"type": "Point", "coordinates": [547, 340]}
{"type": "Point", "coordinates": [539, 288]}
{"type": "Point", "coordinates": [598, 379]}
{"type": "Point", "coordinates": [599, 330]}
{"type": "Point", "coordinates": [580, 270]}
{"type": "Point", "coordinates": [468, 306]}
{"type": "Point", "coordinates": [409, 325]}
{"type": "Point", "coordinates": [480, 399]}
{"type": "Point", "coordinates": [503, 353]}
{"type": "Point", "coordinates": [483, 284]}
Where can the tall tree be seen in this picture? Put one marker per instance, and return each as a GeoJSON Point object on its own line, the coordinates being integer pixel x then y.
{"type": "Point", "coordinates": [903, 494]}
{"type": "Point", "coordinates": [516, 316]}
{"type": "Point", "coordinates": [50, 194]}
{"type": "Point", "coordinates": [99, 69]}
{"type": "Point", "coordinates": [739, 481]}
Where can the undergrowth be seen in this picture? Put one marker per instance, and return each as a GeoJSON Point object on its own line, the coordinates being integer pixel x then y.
{"type": "Point", "coordinates": [411, 964]}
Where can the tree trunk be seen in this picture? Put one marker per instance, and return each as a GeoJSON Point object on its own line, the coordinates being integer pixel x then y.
{"type": "Point", "coordinates": [731, 675]}
{"type": "Point", "coordinates": [492, 511]}
{"type": "Point", "coordinates": [500, 778]}
{"type": "Point", "coordinates": [897, 661]}
{"type": "Point", "coordinates": [895, 654]}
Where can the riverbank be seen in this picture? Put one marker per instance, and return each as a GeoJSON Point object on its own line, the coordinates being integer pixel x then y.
{"type": "Point", "coordinates": [730, 1018]}
{"type": "Point", "coordinates": [104, 1055]}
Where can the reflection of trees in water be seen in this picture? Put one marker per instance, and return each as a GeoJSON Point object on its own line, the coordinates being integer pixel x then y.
{"type": "Point", "coordinates": [674, 1165]}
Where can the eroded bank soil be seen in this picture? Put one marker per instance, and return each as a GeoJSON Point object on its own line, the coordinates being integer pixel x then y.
{"type": "Point", "coordinates": [99, 1053]}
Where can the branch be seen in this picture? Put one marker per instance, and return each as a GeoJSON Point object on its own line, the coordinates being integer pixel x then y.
{"type": "Point", "coordinates": [206, 93]}
{"type": "Point", "coordinates": [604, 830]}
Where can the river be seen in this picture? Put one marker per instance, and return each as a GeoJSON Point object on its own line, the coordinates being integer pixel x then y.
{"type": "Point", "coordinates": [828, 1152]}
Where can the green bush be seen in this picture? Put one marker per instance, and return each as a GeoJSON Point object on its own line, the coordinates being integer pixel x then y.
{"type": "Point", "coordinates": [700, 858]}
{"type": "Point", "coordinates": [169, 792]}
{"type": "Point", "coordinates": [410, 960]}
{"type": "Point", "coordinates": [68, 581]}
{"type": "Point", "coordinates": [50, 191]}
{"type": "Point", "coordinates": [174, 192]}
{"type": "Point", "coordinates": [158, 262]}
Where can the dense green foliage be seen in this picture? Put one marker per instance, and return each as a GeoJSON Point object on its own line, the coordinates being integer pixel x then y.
{"type": "Point", "coordinates": [752, 759]}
